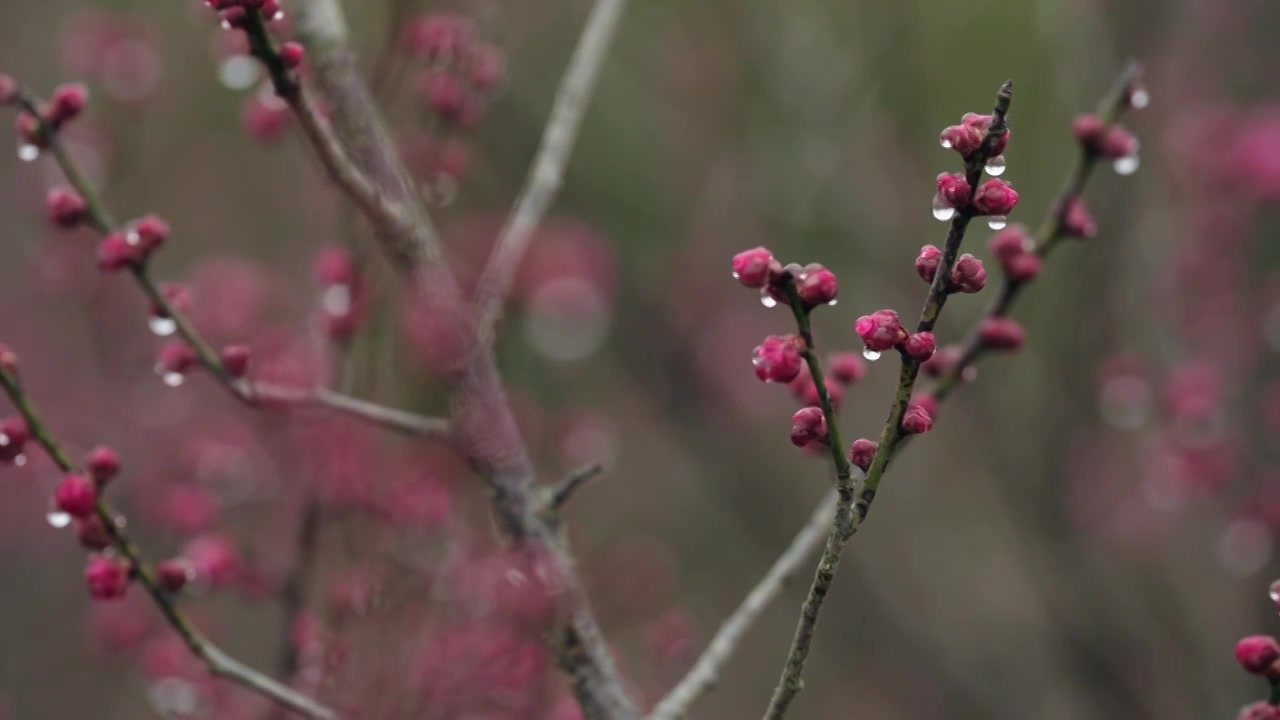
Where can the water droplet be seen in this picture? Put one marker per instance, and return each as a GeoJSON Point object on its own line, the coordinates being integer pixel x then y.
{"type": "Point", "coordinates": [997, 222]}
{"type": "Point", "coordinates": [1139, 98]}
{"type": "Point", "coordinates": [58, 519]}
{"type": "Point", "coordinates": [767, 300]}
{"type": "Point", "coordinates": [735, 274]}
{"type": "Point", "coordinates": [1274, 591]}
{"type": "Point", "coordinates": [944, 142]}
{"type": "Point", "coordinates": [238, 72]}
{"type": "Point", "coordinates": [20, 460]}
{"type": "Point", "coordinates": [1126, 165]}
{"type": "Point", "coordinates": [941, 210]}
{"type": "Point", "coordinates": [278, 16]}
{"type": "Point", "coordinates": [162, 326]}
{"type": "Point", "coordinates": [175, 697]}
{"type": "Point", "coordinates": [28, 152]}
{"type": "Point", "coordinates": [132, 237]}
{"type": "Point", "coordinates": [172, 379]}
{"type": "Point", "coordinates": [833, 302]}
{"type": "Point", "coordinates": [4, 440]}
{"type": "Point", "coordinates": [336, 300]}
{"type": "Point", "coordinates": [870, 355]}
{"type": "Point", "coordinates": [226, 25]}
{"type": "Point", "coordinates": [996, 166]}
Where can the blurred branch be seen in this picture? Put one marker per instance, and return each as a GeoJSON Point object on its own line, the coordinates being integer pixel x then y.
{"type": "Point", "coordinates": [706, 670]}
{"type": "Point", "coordinates": [547, 172]}
{"type": "Point", "coordinates": [560, 494]}
{"type": "Point", "coordinates": [398, 420]}
{"type": "Point", "coordinates": [218, 662]}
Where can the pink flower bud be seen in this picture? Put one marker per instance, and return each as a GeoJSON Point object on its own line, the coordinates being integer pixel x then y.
{"type": "Point", "coordinates": [1077, 221]}
{"type": "Point", "coordinates": [264, 121]}
{"type": "Point", "coordinates": [862, 453]}
{"type": "Point", "coordinates": [67, 102]}
{"type": "Point", "coordinates": [927, 262]}
{"type": "Point", "coordinates": [176, 356]}
{"type": "Point", "coordinates": [920, 346]}
{"type": "Point", "coordinates": [753, 267]}
{"type": "Point", "coordinates": [92, 534]}
{"type": "Point", "coordinates": [964, 139]}
{"type": "Point", "coordinates": [9, 89]}
{"type": "Point", "coordinates": [968, 275]}
{"type": "Point", "coordinates": [103, 464]}
{"type": "Point", "coordinates": [214, 558]}
{"type": "Point", "coordinates": [778, 359]}
{"type": "Point", "coordinates": [64, 207]}
{"type": "Point", "coordinates": [107, 578]}
{"type": "Point", "coordinates": [1024, 267]}
{"type": "Point", "coordinates": [235, 358]}
{"type": "Point", "coordinates": [115, 253]}
{"type": "Point", "coordinates": [487, 67]}
{"type": "Point", "coordinates": [916, 421]}
{"type": "Point", "coordinates": [148, 234]}
{"type": "Point", "coordinates": [995, 197]}
{"type": "Point", "coordinates": [954, 189]}
{"type": "Point", "coordinates": [13, 438]}
{"type": "Point", "coordinates": [292, 54]}
{"type": "Point", "coordinates": [808, 425]}
{"type": "Point", "coordinates": [942, 361]}
{"type": "Point", "coordinates": [1088, 129]}
{"type": "Point", "coordinates": [444, 93]}
{"type": "Point", "coordinates": [983, 123]}
{"type": "Point", "coordinates": [816, 286]}
{"type": "Point", "coordinates": [76, 496]}
{"type": "Point", "coordinates": [173, 574]}
{"type": "Point", "coordinates": [999, 333]}
{"type": "Point", "coordinates": [846, 368]}
{"type": "Point", "coordinates": [880, 330]}
{"type": "Point", "coordinates": [1011, 242]}
{"type": "Point", "coordinates": [1257, 653]}
{"type": "Point", "coordinates": [334, 266]}
{"type": "Point", "coordinates": [270, 9]}
{"type": "Point", "coordinates": [925, 401]}
{"type": "Point", "coordinates": [1116, 143]}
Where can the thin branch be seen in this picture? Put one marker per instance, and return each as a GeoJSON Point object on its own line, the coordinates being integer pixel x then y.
{"type": "Point", "coordinates": [706, 671]}
{"type": "Point", "coordinates": [218, 662]}
{"type": "Point", "coordinates": [547, 172]}
{"type": "Point", "coordinates": [560, 494]}
{"type": "Point", "coordinates": [400, 421]}
{"type": "Point", "coordinates": [848, 519]}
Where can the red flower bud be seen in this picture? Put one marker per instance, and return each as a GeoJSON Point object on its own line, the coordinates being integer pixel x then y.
{"type": "Point", "coordinates": [1077, 221]}
{"type": "Point", "coordinates": [103, 464]}
{"type": "Point", "coordinates": [107, 578]}
{"type": "Point", "coordinates": [808, 425]}
{"type": "Point", "coordinates": [67, 102]}
{"type": "Point", "coordinates": [954, 189]}
{"type": "Point", "coordinates": [1000, 333]}
{"type": "Point", "coordinates": [176, 356]}
{"type": "Point", "coordinates": [752, 267]}
{"type": "Point", "coordinates": [920, 346]}
{"type": "Point", "coordinates": [92, 534]}
{"type": "Point", "coordinates": [968, 275]}
{"type": "Point", "coordinates": [1010, 242]}
{"type": "Point", "coordinates": [995, 197]}
{"type": "Point", "coordinates": [964, 139]}
{"type": "Point", "coordinates": [64, 207]}
{"type": "Point", "coordinates": [862, 453]}
{"type": "Point", "coordinates": [1257, 653]}
{"type": "Point", "coordinates": [115, 253]}
{"type": "Point", "coordinates": [292, 54]}
{"type": "Point", "coordinates": [174, 574]}
{"type": "Point", "coordinates": [778, 359]}
{"type": "Point", "coordinates": [147, 234]}
{"type": "Point", "coordinates": [927, 262]}
{"type": "Point", "coordinates": [235, 358]}
{"type": "Point", "coordinates": [1088, 129]}
{"type": "Point", "coordinates": [816, 286]}
{"type": "Point", "coordinates": [942, 361]}
{"type": "Point", "coordinates": [916, 421]}
{"type": "Point", "coordinates": [76, 496]}
{"type": "Point", "coordinates": [880, 330]}
{"type": "Point", "coordinates": [13, 437]}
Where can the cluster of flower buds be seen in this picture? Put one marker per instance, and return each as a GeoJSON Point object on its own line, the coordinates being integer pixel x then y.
{"type": "Point", "coordinates": [1014, 248]}
{"type": "Point", "coordinates": [341, 292]}
{"type": "Point", "coordinates": [882, 330]}
{"type": "Point", "coordinates": [994, 198]}
{"type": "Point", "coordinates": [757, 268]}
{"type": "Point", "coordinates": [133, 245]}
{"type": "Point", "coordinates": [1108, 142]}
{"type": "Point", "coordinates": [461, 74]}
{"type": "Point", "coordinates": [65, 104]}
{"type": "Point", "coordinates": [967, 137]}
{"type": "Point", "coordinates": [1260, 655]}
{"type": "Point", "coordinates": [236, 13]}
{"type": "Point", "coordinates": [968, 274]}
{"type": "Point", "coordinates": [1001, 333]}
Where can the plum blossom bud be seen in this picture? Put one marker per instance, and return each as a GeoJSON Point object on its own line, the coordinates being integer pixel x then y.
{"type": "Point", "coordinates": [107, 578]}
{"type": "Point", "coordinates": [115, 253]}
{"type": "Point", "coordinates": [968, 275]}
{"type": "Point", "coordinates": [753, 267]}
{"type": "Point", "coordinates": [778, 359]}
{"type": "Point", "coordinates": [103, 464]}
{"type": "Point", "coordinates": [954, 189]}
{"type": "Point", "coordinates": [214, 558]}
{"type": "Point", "coordinates": [1010, 242]}
{"type": "Point", "coordinates": [1257, 653]}
{"type": "Point", "coordinates": [808, 425]}
{"type": "Point", "coordinates": [1116, 143]}
{"type": "Point", "coordinates": [926, 401]}
{"type": "Point", "coordinates": [64, 207]}
{"type": "Point", "coordinates": [1088, 129]}
{"type": "Point", "coordinates": [76, 496]}
{"type": "Point", "coordinates": [1000, 333]}
{"type": "Point", "coordinates": [816, 286]}
{"type": "Point", "coordinates": [1024, 267]}
{"type": "Point", "coordinates": [67, 102]}
{"type": "Point", "coordinates": [880, 330]}
{"type": "Point", "coordinates": [174, 574]}
{"type": "Point", "coordinates": [917, 420]}
{"type": "Point", "coordinates": [965, 139]}
{"type": "Point", "coordinates": [148, 233]}
{"type": "Point", "coordinates": [235, 358]}
{"type": "Point", "coordinates": [995, 197]}
{"type": "Point", "coordinates": [846, 368]}
{"type": "Point", "coordinates": [444, 93]}
{"type": "Point", "coordinates": [862, 452]}
{"type": "Point", "coordinates": [92, 534]}
{"type": "Point", "coordinates": [983, 124]}
{"type": "Point", "coordinates": [1261, 710]}
{"type": "Point", "coordinates": [292, 54]}
{"type": "Point", "coordinates": [927, 262]}
{"type": "Point", "coordinates": [176, 356]}
{"type": "Point", "coordinates": [920, 346]}
{"type": "Point", "coordinates": [13, 438]}
{"type": "Point", "coordinates": [1077, 221]}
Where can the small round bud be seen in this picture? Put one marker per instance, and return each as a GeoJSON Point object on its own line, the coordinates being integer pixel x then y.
{"type": "Point", "coordinates": [13, 438]}
{"type": "Point", "coordinates": [999, 333]}
{"type": "Point", "coordinates": [64, 207]}
{"type": "Point", "coordinates": [148, 234]}
{"type": "Point", "coordinates": [927, 262]}
{"type": "Point", "coordinates": [752, 267]}
{"type": "Point", "coordinates": [816, 286]}
{"type": "Point", "coordinates": [107, 578]}
{"type": "Point", "coordinates": [1088, 129]}
{"type": "Point", "coordinates": [1024, 267]}
{"type": "Point", "coordinates": [444, 93]}
{"type": "Point", "coordinates": [1010, 242]}
{"type": "Point", "coordinates": [880, 330]}
{"type": "Point", "coordinates": [964, 139]}
{"type": "Point", "coordinates": [1077, 221]}
{"type": "Point", "coordinates": [778, 359]}
{"type": "Point", "coordinates": [174, 574]}
{"type": "Point", "coordinates": [76, 496]}
{"type": "Point", "coordinates": [926, 401]}
{"type": "Point", "coordinates": [808, 425]}
{"type": "Point", "coordinates": [995, 197]}
{"type": "Point", "coordinates": [916, 421]}
{"type": "Point", "coordinates": [862, 453]}
{"type": "Point", "coordinates": [292, 54]}
{"type": "Point", "coordinates": [954, 189]}
{"type": "Point", "coordinates": [846, 368]}
{"type": "Point", "coordinates": [67, 102]}
{"type": "Point", "coordinates": [115, 253]}
{"type": "Point", "coordinates": [334, 266]}
{"type": "Point", "coordinates": [1257, 653]}
{"type": "Point", "coordinates": [92, 534]}
{"type": "Point", "coordinates": [235, 358]}
{"type": "Point", "coordinates": [103, 464]}
{"type": "Point", "coordinates": [487, 68]}
{"type": "Point", "coordinates": [1116, 143]}
{"type": "Point", "coordinates": [920, 346]}
{"type": "Point", "coordinates": [983, 124]}
{"type": "Point", "coordinates": [968, 275]}
{"type": "Point", "coordinates": [176, 356]}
